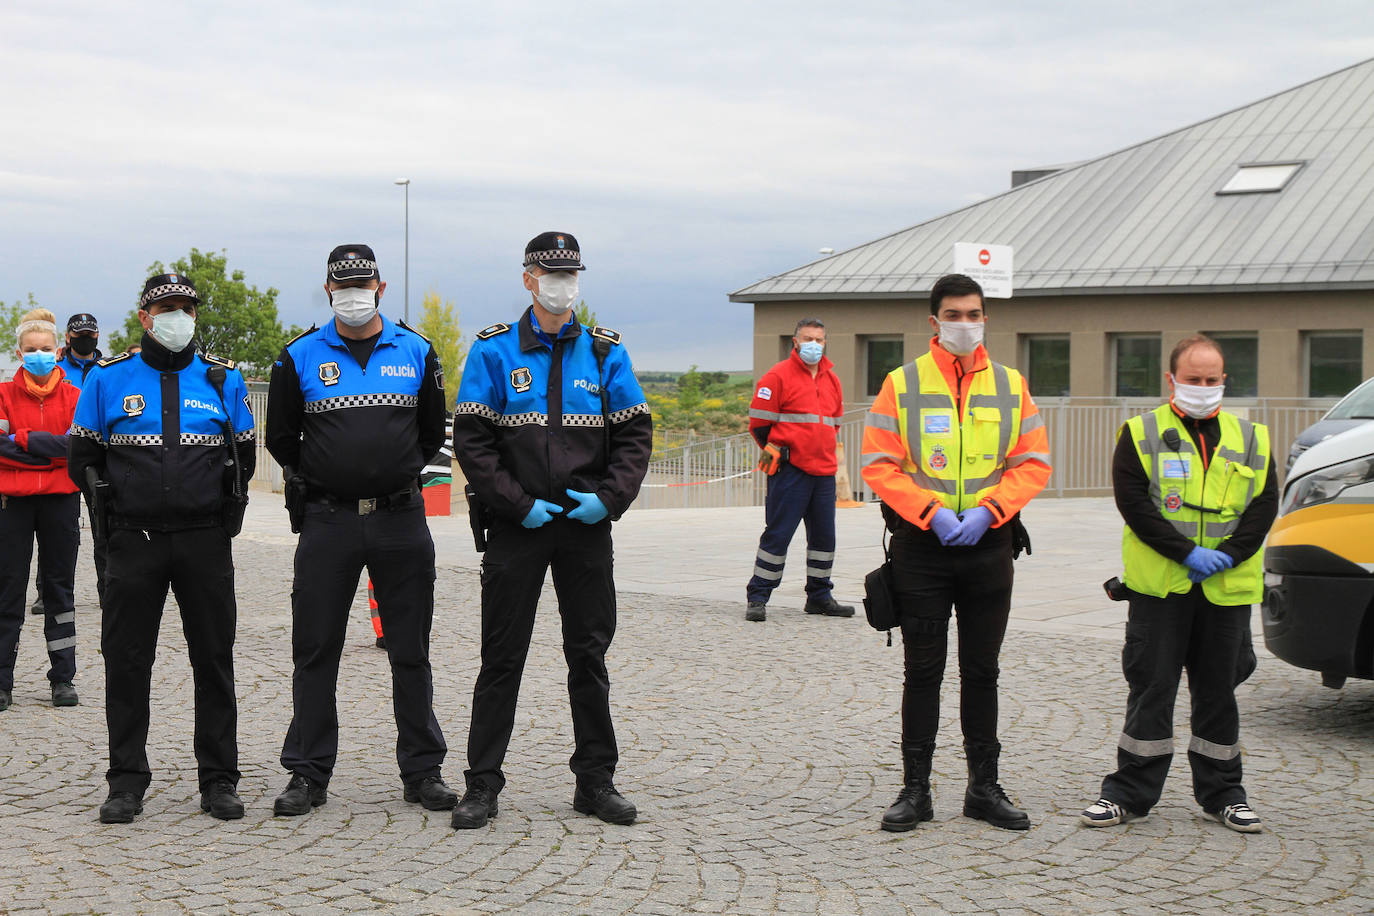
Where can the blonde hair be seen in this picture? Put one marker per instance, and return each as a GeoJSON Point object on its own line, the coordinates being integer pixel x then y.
{"type": "Point", "coordinates": [41, 321]}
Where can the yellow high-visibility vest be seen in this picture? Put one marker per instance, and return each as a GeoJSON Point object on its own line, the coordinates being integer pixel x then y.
{"type": "Point", "coordinates": [1203, 506]}
{"type": "Point", "coordinates": [961, 459]}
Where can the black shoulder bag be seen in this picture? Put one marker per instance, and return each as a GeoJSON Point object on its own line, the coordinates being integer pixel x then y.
{"type": "Point", "coordinates": [880, 596]}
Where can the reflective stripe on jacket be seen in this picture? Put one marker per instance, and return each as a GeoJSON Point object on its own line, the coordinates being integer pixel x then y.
{"type": "Point", "coordinates": [939, 436]}
{"type": "Point", "coordinates": [1203, 504]}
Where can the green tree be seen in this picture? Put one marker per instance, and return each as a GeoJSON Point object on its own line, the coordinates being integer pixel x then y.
{"type": "Point", "coordinates": [9, 320]}
{"type": "Point", "coordinates": [585, 316]}
{"type": "Point", "coordinates": [235, 320]}
{"type": "Point", "coordinates": [439, 322]}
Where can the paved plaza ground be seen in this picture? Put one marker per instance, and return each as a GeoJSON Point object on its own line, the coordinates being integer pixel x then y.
{"type": "Point", "coordinates": [761, 757]}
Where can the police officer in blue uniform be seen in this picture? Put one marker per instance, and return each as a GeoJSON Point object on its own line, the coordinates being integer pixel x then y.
{"type": "Point", "coordinates": [354, 411]}
{"type": "Point", "coordinates": [554, 434]}
{"type": "Point", "coordinates": [81, 353]}
{"type": "Point", "coordinates": [169, 434]}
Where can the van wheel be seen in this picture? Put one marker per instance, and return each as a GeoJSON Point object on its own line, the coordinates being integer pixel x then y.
{"type": "Point", "coordinates": [1334, 681]}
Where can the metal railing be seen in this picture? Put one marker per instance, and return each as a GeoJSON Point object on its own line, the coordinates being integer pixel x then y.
{"type": "Point", "coordinates": [715, 473]}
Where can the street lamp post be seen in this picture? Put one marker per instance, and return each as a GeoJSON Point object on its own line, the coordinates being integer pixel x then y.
{"type": "Point", "coordinates": [406, 183]}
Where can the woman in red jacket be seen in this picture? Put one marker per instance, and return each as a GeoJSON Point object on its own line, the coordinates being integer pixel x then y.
{"type": "Point", "coordinates": [38, 499]}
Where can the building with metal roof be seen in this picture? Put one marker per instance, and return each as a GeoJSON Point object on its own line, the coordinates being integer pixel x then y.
{"type": "Point", "coordinates": [1256, 225]}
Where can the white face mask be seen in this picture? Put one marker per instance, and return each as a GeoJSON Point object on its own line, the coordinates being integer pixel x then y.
{"type": "Point", "coordinates": [1198, 401]}
{"type": "Point", "coordinates": [557, 291]}
{"type": "Point", "coordinates": [961, 337]}
{"type": "Point", "coordinates": [353, 305]}
{"type": "Point", "coordinates": [173, 330]}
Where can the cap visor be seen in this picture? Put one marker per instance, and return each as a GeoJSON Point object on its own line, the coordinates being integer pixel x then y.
{"type": "Point", "coordinates": [561, 265]}
{"type": "Point", "coordinates": [353, 273]}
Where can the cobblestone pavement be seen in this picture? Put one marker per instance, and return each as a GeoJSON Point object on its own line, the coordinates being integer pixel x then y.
{"type": "Point", "coordinates": [761, 757]}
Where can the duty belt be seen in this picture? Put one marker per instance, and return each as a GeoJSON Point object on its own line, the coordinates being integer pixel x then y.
{"type": "Point", "coordinates": [397, 500]}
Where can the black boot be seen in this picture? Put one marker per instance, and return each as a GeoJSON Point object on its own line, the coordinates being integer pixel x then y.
{"type": "Point", "coordinates": [913, 803]}
{"type": "Point", "coordinates": [985, 799]}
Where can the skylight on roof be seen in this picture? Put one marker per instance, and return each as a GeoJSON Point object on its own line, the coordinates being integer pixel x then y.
{"type": "Point", "coordinates": [1260, 177]}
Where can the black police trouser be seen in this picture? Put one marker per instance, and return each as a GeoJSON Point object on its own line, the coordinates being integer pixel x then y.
{"type": "Point", "coordinates": [198, 565]}
{"type": "Point", "coordinates": [1163, 637]}
{"type": "Point", "coordinates": [52, 519]}
{"type": "Point", "coordinates": [513, 569]}
{"type": "Point", "coordinates": [975, 581]}
{"type": "Point", "coordinates": [335, 544]}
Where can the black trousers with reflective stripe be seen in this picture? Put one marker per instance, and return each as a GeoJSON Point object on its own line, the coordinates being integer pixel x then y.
{"type": "Point", "coordinates": [52, 520]}
{"type": "Point", "coordinates": [513, 570]}
{"type": "Point", "coordinates": [975, 582]}
{"type": "Point", "coordinates": [395, 546]}
{"type": "Point", "coordinates": [1165, 636]}
{"type": "Point", "coordinates": [198, 565]}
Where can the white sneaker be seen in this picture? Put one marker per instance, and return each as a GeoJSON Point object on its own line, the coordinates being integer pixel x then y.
{"type": "Point", "coordinates": [1240, 818]}
{"type": "Point", "coordinates": [1104, 813]}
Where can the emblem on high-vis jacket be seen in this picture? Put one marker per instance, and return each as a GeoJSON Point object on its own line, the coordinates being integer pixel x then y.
{"type": "Point", "coordinates": [936, 424]}
{"type": "Point", "coordinates": [765, 393]}
{"type": "Point", "coordinates": [133, 405]}
{"type": "Point", "coordinates": [938, 460]}
{"type": "Point", "coordinates": [329, 373]}
{"type": "Point", "coordinates": [1173, 502]}
{"type": "Point", "coordinates": [520, 379]}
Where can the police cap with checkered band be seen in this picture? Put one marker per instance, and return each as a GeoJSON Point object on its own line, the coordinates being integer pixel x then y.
{"type": "Point", "coordinates": [352, 262]}
{"type": "Point", "coordinates": [554, 251]}
{"type": "Point", "coordinates": [164, 286]}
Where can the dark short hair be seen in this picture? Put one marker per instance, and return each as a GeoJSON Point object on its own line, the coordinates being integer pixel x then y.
{"type": "Point", "coordinates": [808, 323]}
{"type": "Point", "coordinates": [954, 285]}
{"type": "Point", "coordinates": [1188, 343]}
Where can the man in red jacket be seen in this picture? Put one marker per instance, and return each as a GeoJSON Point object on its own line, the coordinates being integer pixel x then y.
{"type": "Point", "coordinates": [795, 416]}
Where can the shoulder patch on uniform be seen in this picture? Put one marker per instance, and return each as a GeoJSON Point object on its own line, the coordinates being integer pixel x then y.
{"type": "Point", "coordinates": [492, 331]}
{"type": "Point", "coordinates": [402, 323]}
{"type": "Point", "coordinates": [217, 360]}
{"type": "Point", "coordinates": [111, 360]}
{"type": "Point", "coordinates": [606, 334]}
{"type": "Point", "coordinates": [308, 330]}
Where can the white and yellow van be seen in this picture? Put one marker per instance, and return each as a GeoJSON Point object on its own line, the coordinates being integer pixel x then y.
{"type": "Point", "coordinates": [1319, 561]}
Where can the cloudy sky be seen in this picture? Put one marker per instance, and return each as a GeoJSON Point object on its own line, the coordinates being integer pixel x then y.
{"type": "Point", "coordinates": [691, 148]}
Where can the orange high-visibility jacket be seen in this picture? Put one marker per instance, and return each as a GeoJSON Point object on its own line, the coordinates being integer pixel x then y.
{"type": "Point", "coordinates": [913, 487]}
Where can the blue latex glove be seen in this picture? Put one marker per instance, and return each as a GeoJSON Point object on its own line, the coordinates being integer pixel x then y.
{"type": "Point", "coordinates": [1203, 562]}
{"type": "Point", "coordinates": [973, 524]}
{"type": "Point", "coordinates": [945, 524]}
{"type": "Point", "coordinates": [540, 513]}
{"type": "Point", "coordinates": [590, 509]}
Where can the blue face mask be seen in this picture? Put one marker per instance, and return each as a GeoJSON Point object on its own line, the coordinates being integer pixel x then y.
{"type": "Point", "coordinates": [39, 363]}
{"type": "Point", "coordinates": [811, 352]}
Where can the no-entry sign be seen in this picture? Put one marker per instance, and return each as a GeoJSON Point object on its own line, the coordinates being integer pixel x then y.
{"type": "Point", "coordinates": [990, 265]}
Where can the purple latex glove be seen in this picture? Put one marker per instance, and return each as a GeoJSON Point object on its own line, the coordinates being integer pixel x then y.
{"type": "Point", "coordinates": [973, 524]}
{"type": "Point", "coordinates": [945, 524]}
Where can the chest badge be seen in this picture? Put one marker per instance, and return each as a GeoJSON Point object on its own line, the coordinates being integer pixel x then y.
{"type": "Point", "coordinates": [134, 404]}
{"type": "Point", "coordinates": [938, 459]}
{"type": "Point", "coordinates": [520, 379]}
{"type": "Point", "coordinates": [329, 373]}
{"type": "Point", "coordinates": [1173, 502]}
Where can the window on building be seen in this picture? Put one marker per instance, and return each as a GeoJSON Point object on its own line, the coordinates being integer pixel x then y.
{"type": "Point", "coordinates": [1046, 358]}
{"type": "Point", "coordinates": [1240, 349]}
{"type": "Point", "coordinates": [881, 356]}
{"type": "Point", "coordinates": [1260, 178]}
{"type": "Point", "coordinates": [1136, 365]}
{"type": "Point", "coordinates": [1335, 362]}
